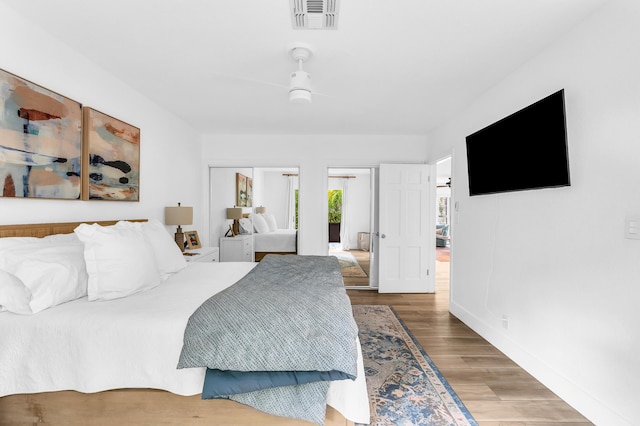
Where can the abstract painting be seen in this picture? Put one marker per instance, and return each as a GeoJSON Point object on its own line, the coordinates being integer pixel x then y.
{"type": "Point", "coordinates": [249, 192]}
{"type": "Point", "coordinates": [111, 157]}
{"type": "Point", "coordinates": [241, 190]}
{"type": "Point", "coordinates": [40, 141]}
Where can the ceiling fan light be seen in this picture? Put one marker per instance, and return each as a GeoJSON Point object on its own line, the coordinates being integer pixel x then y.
{"type": "Point", "coordinates": [300, 96]}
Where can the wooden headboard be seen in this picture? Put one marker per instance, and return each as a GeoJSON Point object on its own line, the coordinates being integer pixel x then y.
{"type": "Point", "coordinates": [44, 229]}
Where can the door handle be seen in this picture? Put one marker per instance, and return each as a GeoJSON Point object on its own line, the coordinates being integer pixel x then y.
{"type": "Point", "coordinates": [383, 236]}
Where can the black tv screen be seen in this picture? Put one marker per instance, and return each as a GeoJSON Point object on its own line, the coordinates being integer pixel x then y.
{"type": "Point", "coordinates": [526, 150]}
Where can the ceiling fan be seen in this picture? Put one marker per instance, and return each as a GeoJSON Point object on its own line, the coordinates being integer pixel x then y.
{"type": "Point", "coordinates": [300, 87]}
{"type": "Point", "coordinates": [300, 80]}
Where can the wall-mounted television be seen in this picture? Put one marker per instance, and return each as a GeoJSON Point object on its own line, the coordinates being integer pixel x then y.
{"type": "Point", "coordinates": [526, 150]}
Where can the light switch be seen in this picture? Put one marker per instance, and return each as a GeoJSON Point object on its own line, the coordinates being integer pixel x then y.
{"type": "Point", "coordinates": [632, 227]}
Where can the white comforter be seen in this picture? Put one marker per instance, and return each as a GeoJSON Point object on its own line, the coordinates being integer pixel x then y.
{"type": "Point", "coordinates": [133, 342]}
{"type": "Point", "coordinates": [278, 241]}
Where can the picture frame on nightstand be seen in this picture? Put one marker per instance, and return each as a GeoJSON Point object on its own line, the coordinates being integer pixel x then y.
{"type": "Point", "coordinates": [193, 241]}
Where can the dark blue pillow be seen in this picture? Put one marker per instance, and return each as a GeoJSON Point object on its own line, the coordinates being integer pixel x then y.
{"type": "Point", "coordinates": [219, 383]}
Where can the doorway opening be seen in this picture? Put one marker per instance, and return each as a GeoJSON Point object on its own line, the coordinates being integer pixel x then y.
{"type": "Point", "coordinates": [351, 224]}
{"type": "Point", "coordinates": [443, 225]}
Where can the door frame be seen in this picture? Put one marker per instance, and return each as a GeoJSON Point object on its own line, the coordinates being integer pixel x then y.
{"type": "Point", "coordinates": [453, 215]}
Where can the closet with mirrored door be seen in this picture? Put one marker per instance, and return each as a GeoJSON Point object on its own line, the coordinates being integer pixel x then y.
{"type": "Point", "coordinates": [253, 211]}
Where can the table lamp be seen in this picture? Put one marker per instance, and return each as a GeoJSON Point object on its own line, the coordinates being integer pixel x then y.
{"type": "Point", "coordinates": [235, 213]}
{"type": "Point", "coordinates": [178, 216]}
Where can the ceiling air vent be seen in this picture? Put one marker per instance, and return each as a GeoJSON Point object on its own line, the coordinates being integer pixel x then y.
{"type": "Point", "coordinates": [314, 14]}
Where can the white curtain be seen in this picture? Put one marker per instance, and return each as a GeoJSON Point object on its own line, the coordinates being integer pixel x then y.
{"type": "Point", "coordinates": [291, 202]}
{"type": "Point", "coordinates": [344, 223]}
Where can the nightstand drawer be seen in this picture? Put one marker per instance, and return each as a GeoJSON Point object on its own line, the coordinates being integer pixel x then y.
{"type": "Point", "coordinates": [204, 254]}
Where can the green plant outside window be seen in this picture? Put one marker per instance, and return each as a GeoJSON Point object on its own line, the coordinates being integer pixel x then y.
{"type": "Point", "coordinates": [335, 205]}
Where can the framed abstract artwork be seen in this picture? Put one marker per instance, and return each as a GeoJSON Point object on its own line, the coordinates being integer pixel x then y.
{"type": "Point", "coordinates": [111, 158]}
{"type": "Point", "coordinates": [249, 192]}
{"type": "Point", "coordinates": [40, 141]}
{"type": "Point", "coordinates": [241, 190]}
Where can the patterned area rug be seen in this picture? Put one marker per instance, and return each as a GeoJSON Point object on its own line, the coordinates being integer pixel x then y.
{"type": "Point", "coordinates": [405, 387]}
{"type": "Point", "coordinates": [349, 264]}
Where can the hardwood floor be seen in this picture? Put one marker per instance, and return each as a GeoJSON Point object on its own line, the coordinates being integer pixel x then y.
{"type": "Point", "coordinates": [363, 259]}
{"type": "Point", "coordinates": [495, 390]}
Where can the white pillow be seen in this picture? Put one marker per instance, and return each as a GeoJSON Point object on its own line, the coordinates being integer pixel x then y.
{"type": "Point", "coordinates": [259, 224]}
{"type": "Point", "coordinates": [168, 256]}
{"type": "Point", "coordinates": [62, 238]}
{"type": "Point", "coordinates": [13, 242]}
{"type": "Point", "coordinates": [120, 261]}
{"type": "Point", "coordinates": [271, 221]}
{"type": "Point", "coordinates": [54, 273]}
{"type": "Point", "coordinates": [14, 295]}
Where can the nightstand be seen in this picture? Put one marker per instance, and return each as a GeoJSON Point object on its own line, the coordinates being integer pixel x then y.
{"type": "Point", "coordinates": [203, 254]}
{"type": "Point", "coordinates": [236, 249]}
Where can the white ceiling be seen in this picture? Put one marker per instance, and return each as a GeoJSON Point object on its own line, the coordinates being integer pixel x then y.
{"type": "Point", "coordinates": [391, 67]}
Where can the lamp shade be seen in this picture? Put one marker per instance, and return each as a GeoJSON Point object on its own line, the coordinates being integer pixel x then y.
{"type": "Point", "coordinates": [178, 215]}
{"type": "Point", "coordinates": [234, 213]}
{"type": "Point", "coordinates": [261, 209]}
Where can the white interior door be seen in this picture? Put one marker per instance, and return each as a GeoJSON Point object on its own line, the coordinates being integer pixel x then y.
{"type": "Point", "coordinates": [404, 250]}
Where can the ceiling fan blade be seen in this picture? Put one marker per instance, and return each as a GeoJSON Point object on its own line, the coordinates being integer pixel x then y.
{"type": "Point", "coordinates": [244, 79]}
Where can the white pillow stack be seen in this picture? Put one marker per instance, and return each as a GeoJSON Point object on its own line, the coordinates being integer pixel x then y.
{"type": "Point", "coordinates": [168, 256]}
{"type": "Point", "coordinates": [271, 221]}
{"type": "Point", "coordinates": [101, 262]}
{"type": "Point", "coordinates": [260, 224]}
{"type": "Point", "coordinates": [119, 260]}
{"type": "Point", "coordinates": [39, 273]}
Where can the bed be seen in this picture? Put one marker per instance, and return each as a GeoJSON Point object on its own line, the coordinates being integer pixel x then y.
{"type": "Point", "coordinates": [280, 241]}
{"type": "Point", "coordinates": [114, 361]}
{"type": "Point", "coordinates": [268, 238]}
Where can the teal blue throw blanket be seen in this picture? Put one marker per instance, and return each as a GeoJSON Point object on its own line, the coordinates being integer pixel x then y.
{"type": "Point", "coordinates": [290, 313]}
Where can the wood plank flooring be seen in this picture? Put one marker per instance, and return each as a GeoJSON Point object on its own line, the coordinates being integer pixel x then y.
{"type": "Point", "coordinates": [495, 390]}
{"type": "Point", "coordinates": [363, 259]}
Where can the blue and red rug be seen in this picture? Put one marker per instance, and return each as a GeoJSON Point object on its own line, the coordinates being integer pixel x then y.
{"type": "Point", "coordinates": [405, 387]}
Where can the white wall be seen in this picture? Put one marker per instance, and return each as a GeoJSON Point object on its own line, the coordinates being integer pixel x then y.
{"type": "Point", "coordinates": [274, 195]}
{"type": "Point", "coordinates": [555, 261]}
{"type": "Point", "coordinates": [313, 154]}
{"type": "Point", "coordinates": [167, 145]}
